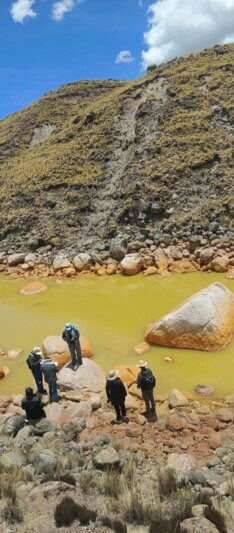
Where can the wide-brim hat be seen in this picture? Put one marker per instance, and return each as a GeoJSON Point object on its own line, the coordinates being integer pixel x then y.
{"type": "Point", "coordinates": [37, 350]}
{"type": "Point", "coordinates": [113, 374]}
{"type": "Point", "coordinates": [141, 364]}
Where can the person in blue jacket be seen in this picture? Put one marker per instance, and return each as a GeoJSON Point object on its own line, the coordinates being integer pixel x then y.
{"type": "Point", "coordinates": [72, 336]}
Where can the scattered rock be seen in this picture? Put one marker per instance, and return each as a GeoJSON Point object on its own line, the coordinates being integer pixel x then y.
{"type": "Point", "coordinates": [177, 399]}
{"type": "Point", "coordinates": [205, 321]}
{"type": "Point", "coordinates": [169, 359]}
{"type": "Point", "coordinates": [141, 348]}
{"type": "Point", "coordinates": [220, 264]}
{"type": "Point", "coordinates": [13, 354]}
{"type": "Point", "coordinates": [131, 264]}
{"type": "Point", "coordinates": [128, 374]}
{"type": "Point", "coordinates": [46, 462]}
{"type": "Point", "coordinates": [204, 390]}
{"type": "Point", "coordinates": [106, 458]}
{"type": "Point", "coordinates": [82, 261]}
{"type": "Point", "coordinates": [118, 248]}
{"type": "Point", "coordinates": [33, 288]}
{"type": "Point", "coordinates": [59, 263]}
{"type": "Point", "coordinates": [197, 525]}
{"type": "Point", "coordinates": [16, 259]}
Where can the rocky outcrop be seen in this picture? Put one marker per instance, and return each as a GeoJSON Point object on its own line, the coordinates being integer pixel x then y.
{"type": "Point", "coordinates": [57, 348]}
{"type": "Point", "coordinates": [88, 377]}
{"type": "Point", "coordinates": [204, 322]}
{"type": "Point", "coordinates": [131, 264]}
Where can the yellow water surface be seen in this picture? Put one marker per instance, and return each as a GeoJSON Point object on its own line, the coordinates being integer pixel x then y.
{"type": "Point", "coordinates": [112, 311]}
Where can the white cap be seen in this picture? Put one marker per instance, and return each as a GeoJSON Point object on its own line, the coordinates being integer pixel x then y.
{"type": "Point", "coordinates": [37, 350]}
{"type": "Point", "coordinates": [68, 326]}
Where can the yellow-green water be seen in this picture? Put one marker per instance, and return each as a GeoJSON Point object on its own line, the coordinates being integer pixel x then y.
{"type": "Point", "coordinates": [113, 313]}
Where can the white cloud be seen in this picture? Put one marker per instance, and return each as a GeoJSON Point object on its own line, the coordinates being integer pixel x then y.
{"type": "Point", "coordinates": [124, 57]}
{"type": "Point", "coordinates": [178, 27]}
{"type": "Point", "coordinates": [22, 9]}
{"type": "Point", "coordinates": [63, 6]}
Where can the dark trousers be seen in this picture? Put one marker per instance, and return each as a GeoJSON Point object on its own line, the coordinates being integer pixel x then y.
{"type": "Point", "coordinates": [75, 351]}
{"type": "Point", "coordinates": [37, 374]}
{"type": "Point", "coordinates": [53, 392]}
{"type": "Point", "coordinates": [120, 410]}
{"type": "Point", "coordinates": [148, 397]}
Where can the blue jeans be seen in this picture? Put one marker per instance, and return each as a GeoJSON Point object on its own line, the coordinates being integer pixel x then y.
{"type": "Point", "coordinates": [53, 392]}
{"type": "Point", "coordinates": [37, 374]}
{"type": "Point", "coordinates": [75, 351]}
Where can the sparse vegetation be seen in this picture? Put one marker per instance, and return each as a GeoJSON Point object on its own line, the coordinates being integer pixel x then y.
{"type": "Point", "coordinates": [167, 482]}
{"type": "Point", "coordinates": [216, 516]}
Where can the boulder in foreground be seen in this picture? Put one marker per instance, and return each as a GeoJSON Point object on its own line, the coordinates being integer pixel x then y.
{"type": "Point", "coordinates": [88, 377]}
{"type": "Point", "coordinates": [203, 322]}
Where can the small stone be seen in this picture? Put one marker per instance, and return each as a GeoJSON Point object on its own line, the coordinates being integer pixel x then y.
{"type": "Point", "coordinates": [204, 390]}
{"type": "Point", "coordinates": [141, 348]}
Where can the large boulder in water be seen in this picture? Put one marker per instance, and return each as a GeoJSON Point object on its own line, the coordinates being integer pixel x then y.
{"type": "Point", "coordinates": [57, 348]}
{"type": "Point", "coordinates": [88, 377]}
{"type": "Point", "coordinates": [203, 322]}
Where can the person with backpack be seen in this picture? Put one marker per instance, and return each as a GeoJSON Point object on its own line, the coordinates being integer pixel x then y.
{"type": "Point", "coordinates": [116, 394]}
{"type": "Point", "coordinates": [34, 364]}
{"type": "Point", "coordinates": [71, 335]}
{"type": "Point", "coordinates": [49, 370]}
{"type": "Point", "coordinates": [146, 382]}
{"type": "Point", "coordinates": [33, 406]}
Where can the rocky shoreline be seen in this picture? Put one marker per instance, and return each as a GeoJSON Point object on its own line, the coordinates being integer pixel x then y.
{"type": "Point", "coordinates": [152, 257]}
{"type": "Point", "coordinates": [132, 473]}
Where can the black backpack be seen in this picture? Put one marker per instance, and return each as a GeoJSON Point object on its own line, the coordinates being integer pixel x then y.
{"type": "Point", "coordinates": [148, 380]}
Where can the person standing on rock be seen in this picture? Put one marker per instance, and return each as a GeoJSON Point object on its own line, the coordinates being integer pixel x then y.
{"type": "Point", "coordinates": [33, 406]}
{"type": "Point", "coordinates": [72, 336]}
{"type": "Point", "coordinates": [146, 382]}
{"type": "Point", "coordinates": [49, 370]}
{"type": "Point", "coordinates": [34, 364]}
{"type": "Point", "coordinates": [116, 394]}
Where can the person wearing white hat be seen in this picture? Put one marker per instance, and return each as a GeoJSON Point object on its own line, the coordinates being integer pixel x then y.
{"type": "Point", "coordinates": [71, 335]}
{"type": "Point", "coordinates": [116, 394]}
{"type": "Point", "coordinates": [146, 382]}
{"type": "Point", "coordinates": [33, 361]}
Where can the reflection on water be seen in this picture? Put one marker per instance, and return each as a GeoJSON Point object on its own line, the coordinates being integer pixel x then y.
{"type": "Point", "coordinates": [112, 312]}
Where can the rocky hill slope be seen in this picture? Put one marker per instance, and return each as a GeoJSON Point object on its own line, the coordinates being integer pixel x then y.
{"type": "Point", "coordinates": [148, 157]}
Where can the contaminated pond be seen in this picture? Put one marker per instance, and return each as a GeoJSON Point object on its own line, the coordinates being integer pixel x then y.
{"type": "Point", "coordinates": [112, 312]}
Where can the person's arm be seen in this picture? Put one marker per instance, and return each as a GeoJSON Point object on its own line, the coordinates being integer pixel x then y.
{"type": "Point", "coordinates": [123, 389]}
{"type": "Point", "coordinates": [139, 381]}
{"type": "Point", "coordinates": [108, 391]}
{"type": "Point", "coordinates": [64, 336]}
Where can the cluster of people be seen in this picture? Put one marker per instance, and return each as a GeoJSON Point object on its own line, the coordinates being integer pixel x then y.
{"type": "Point", "coordinates": [45, 369]}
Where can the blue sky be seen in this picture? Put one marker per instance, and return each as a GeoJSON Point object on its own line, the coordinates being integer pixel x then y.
{"type": "Point", "coordinates": [41, 54]}
{"type": "Point", "coordinates": [46, 43]}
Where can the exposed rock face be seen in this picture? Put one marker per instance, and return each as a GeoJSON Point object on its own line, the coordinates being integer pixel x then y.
{"type": "Point", "coordinates": [204, 322]}
{"type": "Point", "coordinates": [33, 288]}
{"type": "Point", "coordinates": [131, 264]}
{"type": "Point", "coordinates": [57, 348]}
{"type": "Point", "coordinates": [88, 377]}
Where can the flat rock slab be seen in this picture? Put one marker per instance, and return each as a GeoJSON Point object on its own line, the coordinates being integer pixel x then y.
{"type": "Point", "coordinates": [88, 377]}
{"type": "Point", "coordinates": [203, 322]}
{"type": "Point", "coordinates": [33, 288]}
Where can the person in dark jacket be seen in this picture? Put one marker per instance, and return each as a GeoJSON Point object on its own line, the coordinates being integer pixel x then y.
{"type": "Point", "coordinates": [72, 336]}
{"type": "Point", "coordinates": [116, 394]}
{"type": "Point", "coordinates": [146, 382]}
{"type": "Point", "coordinates": [34, 364]}
{"type": "Point", "coordinates": [33, 406]}
{"type": "Point", "coordinates": [49, 370]}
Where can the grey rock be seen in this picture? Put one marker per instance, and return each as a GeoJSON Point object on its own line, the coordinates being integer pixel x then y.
{"type": "Point", "coordinates": [16, 259]}
{"type": "Point", "coordinates": [197, 525]}
{"type": "Point", "coordinates": [22, 435]}
{"type": "Point", "coordinates": [43, 426]}
{"type": "Point", "coordinates": [106, 458]}
{"type": "Point", "coordinates": [13, 425]}
{"type": "Point", "coordinates": [118, 248]}
{"type": "Point", "coordinates": [46, 462]}
{"type": "Point", "coordinates": [82, 261]}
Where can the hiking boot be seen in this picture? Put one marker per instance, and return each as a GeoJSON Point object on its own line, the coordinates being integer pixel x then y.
{"type": "Point", "coordinates": [116, 421]}
{"type": "Point", "coordinates": [125, 419]}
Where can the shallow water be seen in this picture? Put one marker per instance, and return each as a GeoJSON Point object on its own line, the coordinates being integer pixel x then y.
{"type": "Point", "coordinates": [112, 312]}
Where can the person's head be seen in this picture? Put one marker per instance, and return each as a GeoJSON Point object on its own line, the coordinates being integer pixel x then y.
{"type": "Point", "coordinates": [113, 374]}
{"type": "Point", "coordinates": [68, 327]}
{"type": "Point", "coordinates": [29, 393]}
{"type": "Point", "coordinates": [37, 351]}
{"type": "Point", "coordinates": [142, 364]}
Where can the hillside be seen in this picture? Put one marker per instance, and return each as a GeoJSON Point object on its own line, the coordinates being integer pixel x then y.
{"type": "Point", "coordinates": [144, 157]}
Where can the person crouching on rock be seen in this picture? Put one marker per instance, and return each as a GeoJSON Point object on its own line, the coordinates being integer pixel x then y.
{"type": "Point", "coordinates": [72, 336]}
{"type": "Point", "coordinates": [34, 364]}
{"type": "Point", "coordinates": [146, 382]}
{"type": "Point", "coordinates": [116, 394]}
{"type": "Point", "coordinates": [33, 406]}
{"type": "Point", "coordinates": [49, 370]}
